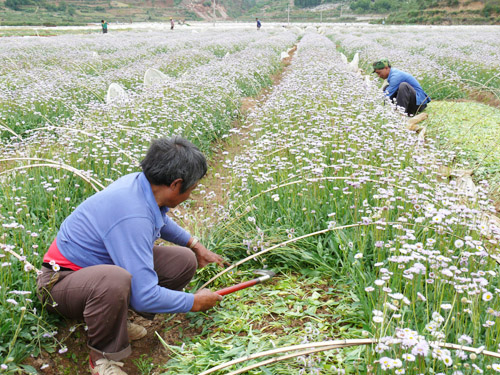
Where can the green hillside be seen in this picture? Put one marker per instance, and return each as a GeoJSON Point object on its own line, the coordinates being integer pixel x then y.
{"type": "Point", "coordinates": [81, 12]}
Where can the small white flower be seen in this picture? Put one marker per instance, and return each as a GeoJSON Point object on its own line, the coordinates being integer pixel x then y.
{"type": "Point", "coordinates": [487, 296]}
{"type": "Point", "coordinates": [381, 347]}
{"type": "Point", "coordinates": [408, 357]}
{"type": "Point", "coordinates": [397, 296]}
{"type": "Point", "coordinates": [477, 370]}
{"type": "Point", "coordinates": [63, 350]}
{"type": "Point", "coordinates": [447, 361]}
{"type": "Point", "coordinates": [437, 219]}
{"type": "Point", "coordinates": [464, 339]}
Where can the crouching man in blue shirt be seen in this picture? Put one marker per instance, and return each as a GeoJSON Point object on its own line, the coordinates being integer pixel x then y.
{"type": "Point", "coordinates": [403, 88]}
{"type": "Point", "coordinates": [104, 259]}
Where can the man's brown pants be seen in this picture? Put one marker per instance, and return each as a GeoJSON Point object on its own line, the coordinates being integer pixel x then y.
{"type": "Point", "coordinates": [100, 296]}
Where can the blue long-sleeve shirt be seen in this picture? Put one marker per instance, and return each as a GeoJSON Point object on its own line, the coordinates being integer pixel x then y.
{"type": "Point", "coordinates": [396, 77]}
{"type": "Point", "coordinates": [119, 225]}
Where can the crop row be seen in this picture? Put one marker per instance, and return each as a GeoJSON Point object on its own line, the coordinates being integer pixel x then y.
{"type": "Point", "coordinates": [449, 62]}
{"type": "Point", "coordinates": [48, 171]}
{"type": "Point", "coordinates": [331, 180]}
{"type": "Point", "coordinates": [46, 80]}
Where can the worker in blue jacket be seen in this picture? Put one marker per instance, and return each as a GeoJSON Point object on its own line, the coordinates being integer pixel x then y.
{"type": "Point", "coordinates": [105, 259]}
{"type": "Point", "coordinates": [402, 88]}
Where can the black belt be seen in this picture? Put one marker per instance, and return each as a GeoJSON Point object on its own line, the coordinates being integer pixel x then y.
{"type": "Point", "coordinates": [48, 265]}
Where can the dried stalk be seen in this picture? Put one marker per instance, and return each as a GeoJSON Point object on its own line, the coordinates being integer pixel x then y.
{"type": "Point", "coordinates": [6, 128]}
{"type": "Point", "coordinates": [22, 259]}
{"type": "Point", "coordinates": [325, 344]}
{"type": "Point", "coordinates": [52, 164]}
{"type": "Point", "coordinates": [282, 358]}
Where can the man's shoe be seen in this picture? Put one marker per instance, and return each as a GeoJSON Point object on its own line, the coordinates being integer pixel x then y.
{"type": "Point", "coordinates": [135, 331]}
{"type": "Point", "coordinates": [106, 367]}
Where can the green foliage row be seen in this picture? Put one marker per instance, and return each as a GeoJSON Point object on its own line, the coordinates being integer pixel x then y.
{"type": "Point", "coordinates": [472, 128]}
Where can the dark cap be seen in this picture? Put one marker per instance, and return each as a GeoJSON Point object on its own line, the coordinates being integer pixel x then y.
{"type": "Point", "coordinates": [380, 64]}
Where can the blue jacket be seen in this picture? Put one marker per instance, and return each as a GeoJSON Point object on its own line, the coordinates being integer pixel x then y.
{"type": "Point", "coordinates": [119, 225]}
{"type": "Point", "coordinates": [396, 77]}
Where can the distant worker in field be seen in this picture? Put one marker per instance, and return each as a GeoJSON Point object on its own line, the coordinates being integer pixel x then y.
{"type": "Point", "coordinates": [258, 23]}
{"type": "Point", "coordinates": [105, 260]}
{"type": "Point", "coordinates": [402, 87]}
{"type": "Point", "coordinates": [172, 24]}
{"type": "Point", "coordinates": [104, 25]}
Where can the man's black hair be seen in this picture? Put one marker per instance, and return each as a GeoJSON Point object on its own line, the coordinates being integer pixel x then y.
{"type": "Point", "coordinates": [171, 158]}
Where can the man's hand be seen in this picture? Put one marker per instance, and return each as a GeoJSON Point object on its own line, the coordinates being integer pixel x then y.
{"type": "Point", "coordinates": [204, 299]}
{"type": "Point", "coordinates": [205, 256]}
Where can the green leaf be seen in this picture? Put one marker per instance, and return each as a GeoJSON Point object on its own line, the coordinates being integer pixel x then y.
{"type": "Point", "coordinates": [29, 369]}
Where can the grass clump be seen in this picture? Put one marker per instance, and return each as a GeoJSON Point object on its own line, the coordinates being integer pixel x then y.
{"type": "Point", "coordinates": [473, 129]}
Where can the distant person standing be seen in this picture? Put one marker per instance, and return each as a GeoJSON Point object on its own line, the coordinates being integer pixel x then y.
{"type": "Point", "coordinates": [104, 25]}
{"type": "Point", "coordinates": [171, 23]}
{"type": "Point", "coordinates": [258, 23]}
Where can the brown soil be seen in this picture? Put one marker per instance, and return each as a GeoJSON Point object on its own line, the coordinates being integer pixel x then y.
{"type": "Point", "coordinates": [149, 351]}
{"type": "Point", "coordinates": [485, 97]}
{"type": "Point", "coordinates": [217, 182]}
{"type": "Point", "coordinates": [206, 12]}
{"type": "Point", "coordinates": [464, 6]}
